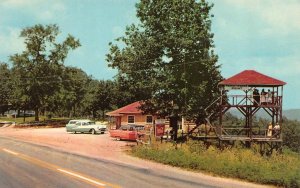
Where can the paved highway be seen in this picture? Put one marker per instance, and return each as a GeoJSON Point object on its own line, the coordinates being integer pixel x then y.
{"type": "Point", "coordinates": [28, 165]}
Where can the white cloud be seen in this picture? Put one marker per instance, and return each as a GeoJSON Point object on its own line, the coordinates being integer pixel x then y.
{"type": "Point", "coordinates": [19, 3]}
{"type": "Point", "coordinates": [40, 9]}
{"type": "Point", "coordinates": [287, 66]}
{"type": "Point", "coordinates": [280, 16]}
{"type": "Point", "coordinates": [53, 10]}
{"type": "Point", "coordinates": [281, 67]}
{"type": "Point", "coordinates": [10, 41]}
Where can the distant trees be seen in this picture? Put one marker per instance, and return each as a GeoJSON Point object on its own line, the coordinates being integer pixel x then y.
{"type": "Point", "coordinates": [38, 79]}
{"type": "Point", "coordinates": [5, 87]}
{"type": "Point", "coordinates": [100, 97]}
{"type": "Point", "coordinates": [168, 60]}
{"type": "Point", "coordinates": [291, 134]}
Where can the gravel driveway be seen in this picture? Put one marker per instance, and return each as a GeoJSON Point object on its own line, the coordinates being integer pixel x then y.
{"type": "Point", "coordinates": [98, 146]}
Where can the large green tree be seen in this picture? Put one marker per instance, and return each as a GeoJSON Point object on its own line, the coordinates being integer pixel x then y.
{"type": "Point", "coordinates": [38, 69]}
{"type": "Point", "coordinates": [167, 59]}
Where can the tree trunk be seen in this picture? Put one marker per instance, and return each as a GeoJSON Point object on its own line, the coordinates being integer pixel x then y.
{"type": "Point", "coordinates": [36, 114]}
{"type": "Point", "coordinates": [94, 114]}
{"type": "Point", "coordinates": [24, 110]}
{"type": "Point", "coordinates": [74, 110]}
{"type": "Point", "coordinates": [71, 113]}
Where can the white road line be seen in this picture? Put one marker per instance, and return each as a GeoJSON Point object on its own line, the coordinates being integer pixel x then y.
{"type": "Point", "coordinates": [81, 177]}
{"type": "Point", "coordinates": [9, 151]}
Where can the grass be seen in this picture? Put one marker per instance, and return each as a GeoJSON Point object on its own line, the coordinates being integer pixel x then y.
{"type": "Point", "coordinates": [277, 169]}
{"type": "Point", "coordinates": [18, 120]}
{"type": "Point", "coordinates": [29, 119]}
{"type": "Point", "coordinates": [43, 123]}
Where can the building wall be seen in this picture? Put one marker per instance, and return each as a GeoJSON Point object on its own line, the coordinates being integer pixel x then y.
{"type": "Point", "coordinates": [139, 119]}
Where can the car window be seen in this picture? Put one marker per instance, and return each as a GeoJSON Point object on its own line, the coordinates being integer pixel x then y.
{"type": "Point", "coordinates": [91, 123]}
{"type": "Point", "coordinates": [72, 122]}
{"type": "Point", "coordinates": [124, 128]}
{"type": "Point", "coordinates": [78, 123]}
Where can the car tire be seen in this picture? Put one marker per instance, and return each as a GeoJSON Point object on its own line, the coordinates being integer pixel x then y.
{"type": "Point", "coordinates": [102, 132]}
{"type": "Point", "coordinates": [75, 132]}
{"type": "Point", "coordinates": [93, 131]}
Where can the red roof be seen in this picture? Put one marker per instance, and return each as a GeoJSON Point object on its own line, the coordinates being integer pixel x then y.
{"type": "Point", "coordinates": [252, 78]}
{"type": "Point", "coordinates": [132, 108]}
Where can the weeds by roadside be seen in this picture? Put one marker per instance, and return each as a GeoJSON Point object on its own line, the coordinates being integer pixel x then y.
{"type": "Point", "coordinates": [277, 169]}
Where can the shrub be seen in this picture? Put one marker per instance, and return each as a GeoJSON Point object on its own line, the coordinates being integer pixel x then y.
{"type": "Point", "coordinates": [277, 169]}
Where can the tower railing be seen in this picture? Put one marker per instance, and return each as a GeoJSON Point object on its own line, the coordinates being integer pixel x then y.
{"type": "Point", "coordinates": [250, 100]}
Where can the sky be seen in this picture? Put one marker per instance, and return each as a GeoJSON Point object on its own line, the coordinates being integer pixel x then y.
{"type": "Point", "coordinates": [262, 35]}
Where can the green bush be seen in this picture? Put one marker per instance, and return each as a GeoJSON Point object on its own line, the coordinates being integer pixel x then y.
{"type": "Point", "coordinates": [277, 169]}
{"type": "Point", "coordinates": [291, 134]}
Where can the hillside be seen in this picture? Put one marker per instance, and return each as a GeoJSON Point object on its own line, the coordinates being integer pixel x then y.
{"type": "Point", "coordinates": [292, 114]}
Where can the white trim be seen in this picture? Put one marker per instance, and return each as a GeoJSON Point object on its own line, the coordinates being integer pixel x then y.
{"type": "Point", "coordinates": [133, 119]}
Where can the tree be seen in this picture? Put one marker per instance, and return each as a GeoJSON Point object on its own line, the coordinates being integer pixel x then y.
{"type": "Point", "coordinates": [167, 60]}
{"type": "Point", "coordinates": [100, 97]}
{"type": "Point", "coordinates": [39, 68]}
{"type": "Point", "coordinates": [5, 87]}
{"type": "Point", "coordinates": [291, 134]}
{"type": "Point", "coordinates": [69, 99]}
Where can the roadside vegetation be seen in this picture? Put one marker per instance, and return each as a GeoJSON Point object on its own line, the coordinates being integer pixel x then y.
{"type": "Point", "coordinates": [19, 119]}
{"type": "Point", "coordinates": [236, 162]}
{"type": "Point", "coordinates": [278, 168]}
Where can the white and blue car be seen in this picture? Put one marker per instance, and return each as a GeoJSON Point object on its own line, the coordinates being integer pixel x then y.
{"type": "Point", "coordinates": [85, 126]}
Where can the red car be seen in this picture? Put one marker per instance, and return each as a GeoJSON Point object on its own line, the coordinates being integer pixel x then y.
{"type": "Point", "coordinates": [126, 132]}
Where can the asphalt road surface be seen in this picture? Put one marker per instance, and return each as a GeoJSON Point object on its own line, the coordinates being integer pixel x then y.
{"type": "Point", "coordinates": [25, 165]}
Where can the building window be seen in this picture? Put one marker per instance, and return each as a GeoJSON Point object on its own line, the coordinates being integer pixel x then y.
{"type": "Point", "coordinates": [149, 119]}
{"type": "Point", "coordinates": [130, 119]}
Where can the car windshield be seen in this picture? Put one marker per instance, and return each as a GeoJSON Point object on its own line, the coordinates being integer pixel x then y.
{"type": "Point", "coordinates": [124, 128]}
{"type": "Point", "coordinates": [139, 127]}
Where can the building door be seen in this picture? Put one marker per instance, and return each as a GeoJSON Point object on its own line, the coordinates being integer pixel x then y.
{"type": "Point", "coordinates": [118, 122]}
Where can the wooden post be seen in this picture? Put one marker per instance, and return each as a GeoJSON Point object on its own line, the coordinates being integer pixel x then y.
{"type": "Point", "coordinates": [174, 125]}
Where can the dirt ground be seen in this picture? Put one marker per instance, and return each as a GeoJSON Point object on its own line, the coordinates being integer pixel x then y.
{"type": "Point", "coordinates": [96, 146]}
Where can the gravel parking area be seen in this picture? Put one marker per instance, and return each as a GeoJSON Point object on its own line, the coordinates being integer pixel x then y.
{"type": "Point", "coordinates": [97, 146]}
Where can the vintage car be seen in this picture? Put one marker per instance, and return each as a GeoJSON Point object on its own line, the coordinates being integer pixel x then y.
{"type": "Point", "coordinates": [126, 132]}
{"type": "Point", "coordinates": [85, 126]}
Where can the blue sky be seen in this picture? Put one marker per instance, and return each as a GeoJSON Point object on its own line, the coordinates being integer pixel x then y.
{"type": "Point", "coordinates": [249, 34]}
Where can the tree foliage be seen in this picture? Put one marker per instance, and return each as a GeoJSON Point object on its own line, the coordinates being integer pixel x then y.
{"type": "Point", "coordinates": [167, 59]}
{"type": "Point", "coordinates": [100, 97]}
{"type": "Point", "coordinates": [291, 134]}
{"type": "Point", "coordinates": [38, 69]}
{"type": "Point", "coordinates": [5, 87]}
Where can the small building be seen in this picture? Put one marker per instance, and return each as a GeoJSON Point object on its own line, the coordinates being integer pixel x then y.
{"type": "Point", "coordinates": [130, 114]}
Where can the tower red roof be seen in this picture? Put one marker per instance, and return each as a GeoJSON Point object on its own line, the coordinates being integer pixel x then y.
{"type": "Point", "coordinates": [132, 108]}
{"type": "Point", "coordinates": [251, 78]}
